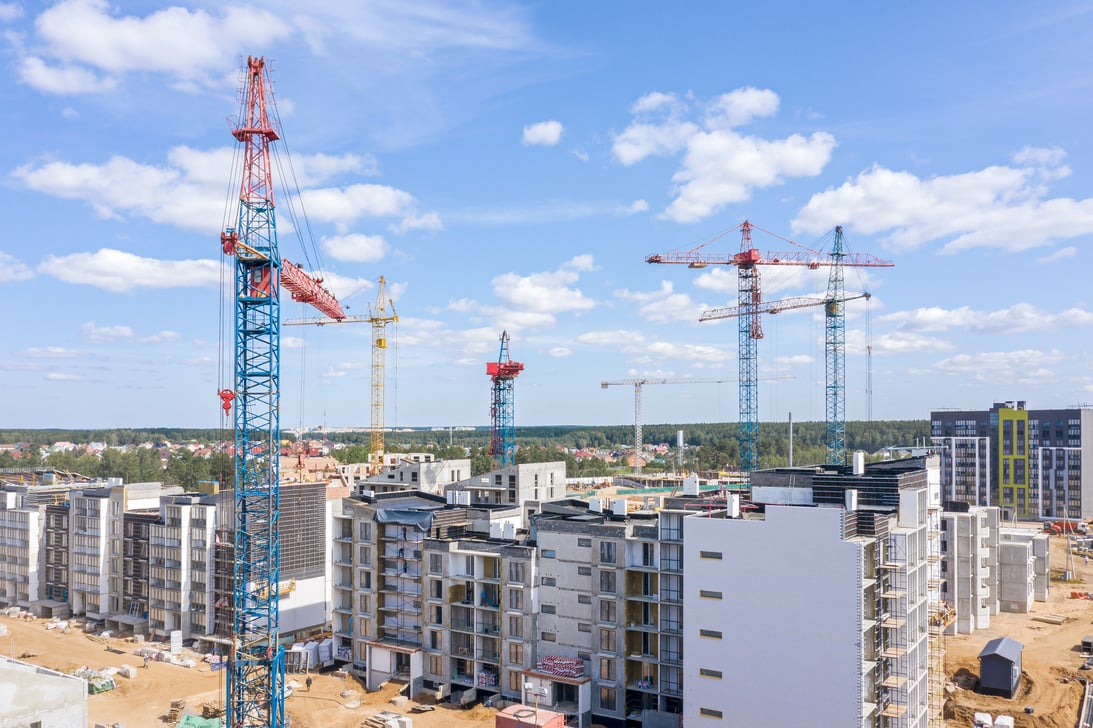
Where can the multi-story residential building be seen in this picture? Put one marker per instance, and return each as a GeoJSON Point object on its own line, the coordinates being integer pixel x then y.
{"type": "Point", "coordinates": [611, 595]}
{"type": "Point", "coordinates": [20, 541]}
{"type": "Point", "coordinates": [1024, 568]}
{"type": "Point", "coordinates": [405, 471]}
{"type": "Point", "coordinates": [969, 561]}
{"type": "Point", "coordinates": [1032, 463]}
{"type": "Point", "coordinates": [180, 562]}
{"type": "Point", "coordinates": [833, 568]}
{"type": "Point", "coordinates": [515, 485]}
{"type": "Point", "coordinates": [54, 588]}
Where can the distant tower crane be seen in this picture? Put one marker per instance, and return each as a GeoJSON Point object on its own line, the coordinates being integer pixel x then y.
{"type": "Point", "coordinates": [749, 298]}
{"type": "Point", "coordinates": [379, 316]}
{"type": "Point", "coordinates": [256, 666]}
{"type": "Point", "coordinates": [638, 384]}
{"type": "Point", "coordinates": [503, 373]}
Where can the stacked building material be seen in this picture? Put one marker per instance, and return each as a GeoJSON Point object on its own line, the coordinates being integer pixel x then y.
{"type": "Point", "coordinates": [561, 666]}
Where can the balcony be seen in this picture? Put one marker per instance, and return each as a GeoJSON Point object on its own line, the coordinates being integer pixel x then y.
{"type": "Point", "coordinates": [645, 684]}
{"type": "Point", "coordinates": [460, 625]}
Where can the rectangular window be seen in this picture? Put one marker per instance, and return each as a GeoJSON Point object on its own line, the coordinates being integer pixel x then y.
{"type": "Point", "coordinates": [708, 594]}
{"type": "Point", "coordinates": [711, 633]}
{"type": "Point", "coordinates": [709, 555]}
{"type": "Point", "coordinates": [516, 598]}
{"type": "Point", "coordinates": [434, 563]}
{"type": "Point", "coordinates": [549, 581]}
{"type": "Point", "coordinates": [365, 531]}
{"type": "Point", "coordinates": [607, 582]}
{"type": "Point", "coordinates": [548, 553]}
{"type": "Point", "coordinates": [608, 699]}
{"type": "Point", "coordinates": [607, 668]}
{"type": "Point", "coordinates": [516, 654]}
{"type": "Point", "coordinates": [548, 637]}
{"type": "Point", "coordinates": [583, 627]}
{"type": "Point", "coordinates": [548, 609]}
{"type": "Point", "coordinates": [607, 640]}
{"type": "Point", "coordinates": [584, 570]}
{"type": "Point", "coordinates": [585, 542]}
{"type": "Point", "coordinates": [516, 571]}
{"type": "Point", "coordinates": [706, 672]}
{"type": "Point", "coordinates": [584, 599]}
{"type": "Point", "coordinates": [516, 626]}
{"type": "Point", "coordinates": [365, 604]}
{"type": "Point", "coordinates": [607, 552]}
{"type": "Point", "coordinates": [607, 610]}
{"type": "Point", "coordinates": [436, 588]}
{"type": "Point", "coordinates": [709, 713]}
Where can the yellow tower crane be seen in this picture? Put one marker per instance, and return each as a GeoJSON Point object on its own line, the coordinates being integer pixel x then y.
{"type": "Point", "coordinates": [379, 315]}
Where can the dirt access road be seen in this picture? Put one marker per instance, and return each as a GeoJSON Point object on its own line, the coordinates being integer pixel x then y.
{"type": "Point", "coordinates": [1050, 658]}
{"type": "Point", "coordinates": [144, 701]}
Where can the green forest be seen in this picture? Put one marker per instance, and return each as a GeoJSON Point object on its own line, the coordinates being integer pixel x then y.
{"type": "Point", "coordinates": [709, 447]}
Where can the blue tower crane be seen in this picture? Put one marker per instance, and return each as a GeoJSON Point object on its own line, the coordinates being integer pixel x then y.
{"type": "Point", "coordinates": [503, 373]}
{"type": "Point", "coordinates": [256, 667]}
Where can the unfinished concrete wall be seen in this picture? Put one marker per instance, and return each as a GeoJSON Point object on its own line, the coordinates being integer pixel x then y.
{"type": "Point", "coordinates": [1015, 577]}
{"type": "Point", "coordinates": [30, 694]}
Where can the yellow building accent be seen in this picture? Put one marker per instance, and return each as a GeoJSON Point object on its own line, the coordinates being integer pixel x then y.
{"type": "Point", "coordinates": [1013, 460]}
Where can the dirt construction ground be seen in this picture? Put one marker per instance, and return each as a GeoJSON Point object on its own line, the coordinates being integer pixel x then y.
{"type": "Point", "coordinates": [1050, 659]}
{"type": "Point", "coordinates": [144, 701]}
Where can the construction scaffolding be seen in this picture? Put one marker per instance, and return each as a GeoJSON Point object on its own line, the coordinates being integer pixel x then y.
{"type": "Point", "coordinates": [941, 615]}
{"type": "Point", "coordinates": [400, 583]}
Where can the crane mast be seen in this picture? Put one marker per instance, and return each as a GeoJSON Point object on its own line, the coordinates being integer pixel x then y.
{"type": "Point", "coordinates": [502, 374]}
{"type": "Point", "coordinates": [835, 356]}
{"type": "Point", "coordinates": [381, 314]}
{"type": "Point", "coordinates": [256, 668]}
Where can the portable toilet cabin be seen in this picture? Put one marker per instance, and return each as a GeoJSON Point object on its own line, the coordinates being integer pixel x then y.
{"type": "Point", "coordinates": [1087, 645]}
{"type": "Point", "coordinates": [1000, 667]}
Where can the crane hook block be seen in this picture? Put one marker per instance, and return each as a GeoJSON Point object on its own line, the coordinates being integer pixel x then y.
{"type": "Point", "coordinates": [226, 397]}
{"type": "Point", "coordinates": [228, 241]}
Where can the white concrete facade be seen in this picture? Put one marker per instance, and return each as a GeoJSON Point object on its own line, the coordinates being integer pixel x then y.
{"type": "Point", "coordinates": [969, 566]}
{"type": "Point", "coordinates": [515, 485]}
{"type": "Point", "coordinates": [180, 580]}
{"type": "Point", "coordinates": [20, 541]}
{"type": "Point", "coordinates": [36, 696]}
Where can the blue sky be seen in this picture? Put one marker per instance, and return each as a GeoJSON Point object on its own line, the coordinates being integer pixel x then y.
{"type": "Point", "coordinates": [510, 166]}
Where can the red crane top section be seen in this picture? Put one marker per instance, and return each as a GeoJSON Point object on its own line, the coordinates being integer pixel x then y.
{"type": "Point", "coordinates": [306, 289]}
{"type": "Point", "coordinates": [504, 367]}
{"type": "Point", "coordinates": [749, 256]}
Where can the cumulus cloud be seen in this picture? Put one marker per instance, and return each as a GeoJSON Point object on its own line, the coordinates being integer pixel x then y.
{"type": "Point", "coordinates": [10, 12]}
{"type": "Point", "coordinates": [664, 305]}
{"type": "Point", "coordinates": [105, 334]}
{"type": "Point", "coordinates": [120, 272]}
{"type": "Point", "coordinates": [895, 342]}
{"type": "Point", "coordinates": [1019, 318]}
{"type": "Point", "coordinates": [998, 367]}
{"type": "Point", "coordinates": [546, 293]}
{"type": "Point", "coordinates": [720, 165]}
{"type": "Point", "coordinates": [795, 359]}
{"type": "Point", "coordinates": [1063, 253]}
{"type": "Point", "coordinates": [160, 337]}
{"type": "Point", "coordinates": [49, 352]}
{"type": "Point", "coordinates": [345, 205]}
{"type": "Point", "coordinates": [84, 46]}
{"type": "Point", "coordinates": [618, 337]}
{"type": "Point", "coordinates": [1000, 207]}
{"type": "Point", "coordinates": [13, 270]}
{"type": "Point", "coordinates": [187, 191]}
{"type": "Point", "coordinates": [356, 248]}
{"type": "Point", "coordinates": [559, 351]}
{"type": "Point", "coordinates": [694, 353]}
{"type": "Point", "coordinates": [429, 221]}
{"type": "Point", "coordinates": [543, 134]}
{"type": "Point", "coordinates": [63, 377]}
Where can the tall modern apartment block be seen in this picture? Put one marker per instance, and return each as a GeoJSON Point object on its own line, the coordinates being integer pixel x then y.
{"type": "Point", "coordinates": [1031, 463]}
{"type": "Point", "coordinates": [838, 571]}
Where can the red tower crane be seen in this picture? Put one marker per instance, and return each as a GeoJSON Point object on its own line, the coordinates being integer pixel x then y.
{"type": "Point", "coordinates": [750, 299]}
{"type": "Point", "coordinates": [503, 373]}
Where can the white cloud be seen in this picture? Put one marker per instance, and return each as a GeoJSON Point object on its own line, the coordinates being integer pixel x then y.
{"type": "Point", "coordinates": [62, 79]}
{"type": "Point", "coordinates": [664, 305]}
{"type": "Point", "coordinates": [356, 248]}
{"type": "Point", "coordinates": [719, 165]}
{"type": "Point", "coordinates": [618, 337]}
{"type": "Point", "coordinates": [292, 342]}
{"type": "Point", "coordinates": [694, 353]}
{"type": "Point", "coordinates": [463, 305]}
{"type": "Point", "coordinates": [343, 287]}
{"type": "Point", "coordinates": [49, 352]}
{"type": "Point", "coordinates": [1063, 253]}
{"type": "Point", "coordinates": [10, 12]}
{"type": "Point", "coordinates": [105, 334]}
{"type": "Point", "coordinates": [559, 351]}
{"type": "Point", "coordinates": [69, 113]}
{"type": "Point", "coordinates": [429, 221]}
{"type": "Point", "coordinates": [997, 367]}
{"type": "Point", "coordinates": [119, 272]}
{"type": "Point", "coordinates": [999, 207]}
{"type": "Point", "coordinates": [160, 337]}
{"type": "Point", "coordinates": [547, 293]}
{"type": "Point", "coordinates": [345, 205]}
{"type": "Point", "coordinates": [580, 154]}
{"type": "Point", "coordinates": [895, 342]}
{"type": "Point", "coordinates": [88, 41]}
{"type": "Point", "coordinates": [543, 134]}
{"type": "Point", "coordinates": [187, 192]}
{"type": "Point", "coordinates": [62, 377]}
{"type": "Point", "coordinates": [639, 206]}
{"type": "Point", "coordinates": [738, 107]}
{"type": "Point", "coordinates": [795, 359]}
{"type": "Point", "coordinates": [13, 270]}
{"type": "Point", "coordinates": [1019, 318]}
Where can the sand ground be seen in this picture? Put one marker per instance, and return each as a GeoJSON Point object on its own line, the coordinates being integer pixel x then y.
{"type": "Point", "coordinates": [144, 701]}
{"type": "Point", "coordinates": [1050, 659]}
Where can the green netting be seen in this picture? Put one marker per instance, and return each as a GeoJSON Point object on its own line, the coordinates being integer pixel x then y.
{"type": "Point", "coordinates": [193, 721]}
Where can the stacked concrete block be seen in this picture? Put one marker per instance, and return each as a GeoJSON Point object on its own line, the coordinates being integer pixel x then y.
{"type": "Point", "coordinates": [1015, 576]}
